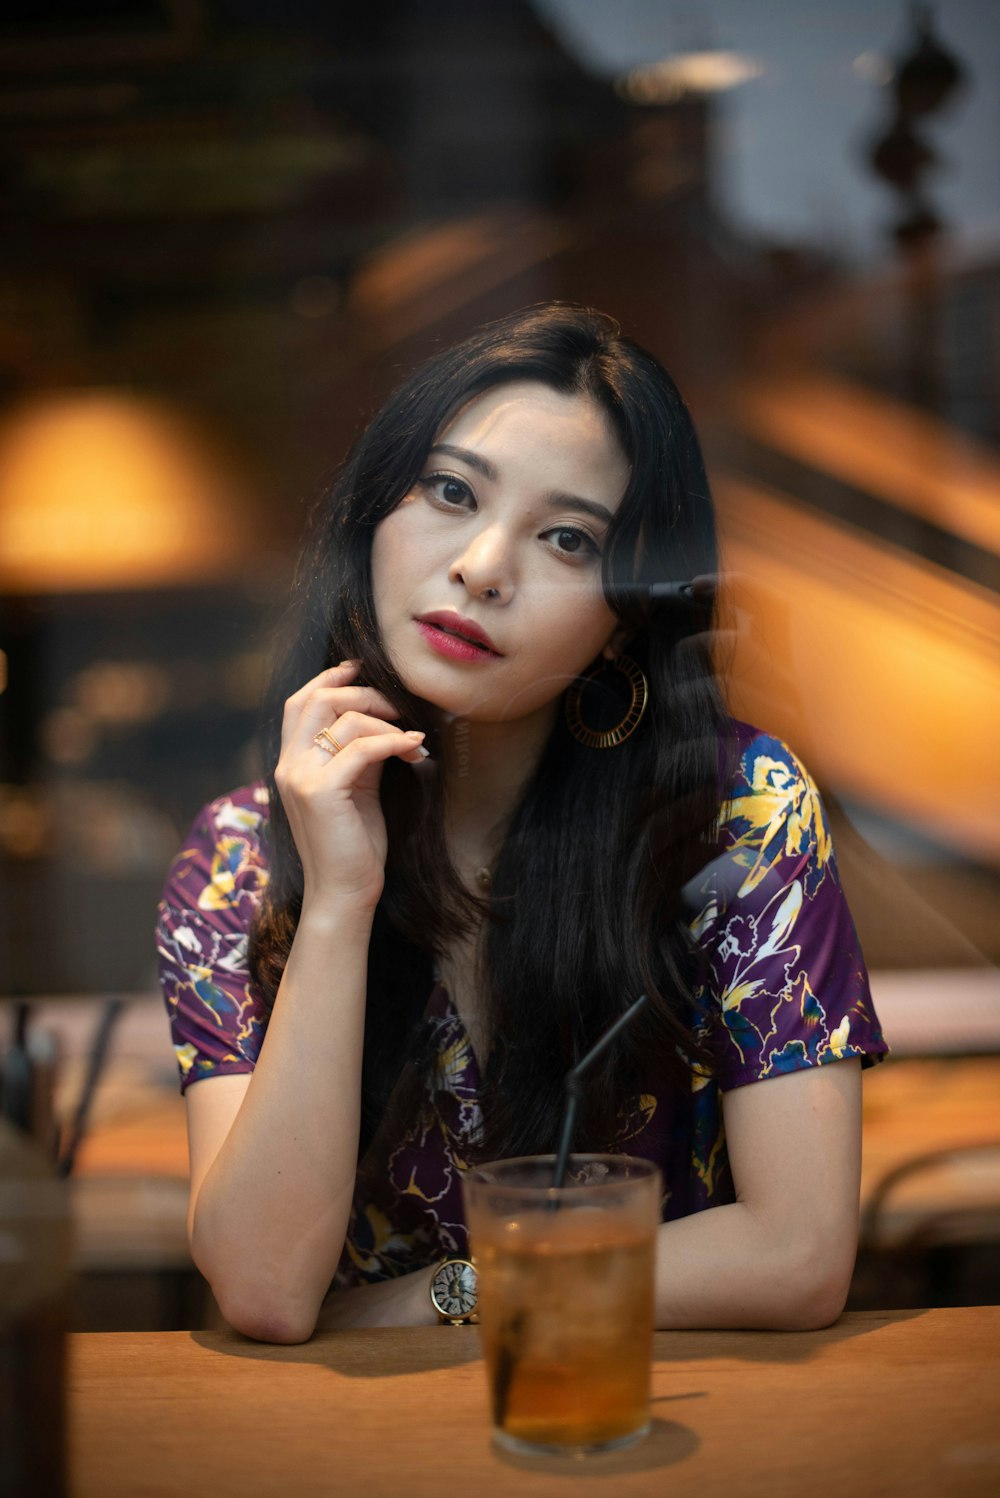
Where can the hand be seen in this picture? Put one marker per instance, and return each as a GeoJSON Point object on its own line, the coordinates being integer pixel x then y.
{"type": "Point", "coordinates": [332, 800]}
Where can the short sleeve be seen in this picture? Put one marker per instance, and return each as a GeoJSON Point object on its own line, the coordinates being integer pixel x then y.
{"type": "Point", "coordinates": [211, 894]}
{"type": "Point", "coordinates": [787, 976]}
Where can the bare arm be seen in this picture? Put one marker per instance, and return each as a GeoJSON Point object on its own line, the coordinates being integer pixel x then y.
{"type": "Point", "coordinates": [273, 1156]}
{"type": "Point", "coordinates": [269, 1210]}
{"type": "Point", "coordinates": [781, 1255]}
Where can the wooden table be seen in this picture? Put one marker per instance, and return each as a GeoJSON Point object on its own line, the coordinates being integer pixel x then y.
{"type": "Point", "coordinates": [899, 1403]}
{"type": "Point", "coordinates": [915, 1107]}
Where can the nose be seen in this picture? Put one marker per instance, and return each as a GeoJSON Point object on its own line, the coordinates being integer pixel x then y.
{"type": "Point", "coordinates": [485, 567]}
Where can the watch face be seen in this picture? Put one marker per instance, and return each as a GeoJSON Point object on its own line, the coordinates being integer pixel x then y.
{"type": "Point", "coordinates": [455, 1288]}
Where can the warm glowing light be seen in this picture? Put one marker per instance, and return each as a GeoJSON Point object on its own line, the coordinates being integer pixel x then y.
{"type": "Point", "coordinates": [68, 736]}
{"type": "Point", "coordinates": [419, 278]}
{"type": "Point", "coordinates": [25, 823]}
{"type": "Point", "coordinates": [122, 692]}
{"type": "Point", "coordinates": [879, 668]}
{"type": "Point", "coordinates": [912, 458]}
{"type": "Point", "coordinates": [687, 73]}
{"type": "Point", "coordinates": [101, 490]}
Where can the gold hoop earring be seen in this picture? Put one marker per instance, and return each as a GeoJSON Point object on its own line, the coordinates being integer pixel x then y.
{"type": "Point", "coordinates": [608, 738]}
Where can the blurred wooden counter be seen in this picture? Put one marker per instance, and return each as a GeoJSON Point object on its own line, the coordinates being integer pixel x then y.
{"type": "Point", "coordinates": [884, 1402]}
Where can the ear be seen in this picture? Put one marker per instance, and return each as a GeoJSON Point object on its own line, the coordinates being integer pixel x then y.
{"type": "Point", "coordinates": [616, 644]}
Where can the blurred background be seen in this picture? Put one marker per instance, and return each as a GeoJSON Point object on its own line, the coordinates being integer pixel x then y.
{"type": "Point", "coordinates": [227, 229]}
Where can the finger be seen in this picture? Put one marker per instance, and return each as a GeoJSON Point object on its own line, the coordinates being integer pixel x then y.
{"type": "Point", "coordinates": [360, 698]}
{"type": "Point", "coordinates": [374, 748]}
{"type": "Point", "coordinates": [332, 676]}
{"type": "Point", "coordinates": [307, 712]}
{"type": "Point", "coordinates": [326, 709]}
{"type": "Point", "coordinates": [353, 725]}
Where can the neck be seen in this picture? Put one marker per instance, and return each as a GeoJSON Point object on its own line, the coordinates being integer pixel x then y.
{"type": "Point", "coordinates": [488, 766]}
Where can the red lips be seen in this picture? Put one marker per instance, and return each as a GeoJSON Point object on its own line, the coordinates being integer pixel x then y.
{"type": "Point", "coordinates": [466, 629]}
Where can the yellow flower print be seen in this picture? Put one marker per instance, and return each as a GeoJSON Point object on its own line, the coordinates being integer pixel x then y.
{"type": "Point", "coordinates": [634, 1116]}
{"type": "Point", "coordinates": [451, 1064]}
{"type": "Point", "coordinates": [737, 994]}
{"type": "Point", "coordinates": [705, 918]}
{"type": "Point", "coordinates": [231, 818]}
{"type": "Point", "coordinates": [705, 1169]}
{"type": "Point", "coordinates": [186, 1056]}
{"type": "Point", "coordinates": [228, 861]}
{"type": "Point", "coordinates": [782, 813]}
{"type": "Point", "coordinates": [372, 1239]}
{"type": "Point", "coordinates": [840, 1037]}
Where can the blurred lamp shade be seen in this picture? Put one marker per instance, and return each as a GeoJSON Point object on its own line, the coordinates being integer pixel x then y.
{"type": "Point", "coordinates": [102, 490]}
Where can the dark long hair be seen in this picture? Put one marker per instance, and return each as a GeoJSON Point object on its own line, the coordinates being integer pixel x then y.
{"type": "Point", "coordinates": [587, 906]}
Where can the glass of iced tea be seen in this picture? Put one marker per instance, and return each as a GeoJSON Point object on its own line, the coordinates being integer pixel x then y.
{"type": "Point", "coordinates": [566, 1298]}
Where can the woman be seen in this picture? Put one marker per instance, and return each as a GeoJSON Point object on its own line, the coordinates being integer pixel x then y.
{"type": "Point", "coordinates": [506, 799]}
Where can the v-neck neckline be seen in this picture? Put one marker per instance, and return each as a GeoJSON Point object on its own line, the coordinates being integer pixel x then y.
{"type": "Point", "coordinates": [446, 1007]}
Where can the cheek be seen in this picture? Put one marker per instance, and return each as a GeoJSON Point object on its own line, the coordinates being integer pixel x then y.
{"type": "Point", "coordinates": [562, 653]}
{"type": "Point", "coordinates": [389, 552]}
{"type": "Point", "coordinates": [580, 634]}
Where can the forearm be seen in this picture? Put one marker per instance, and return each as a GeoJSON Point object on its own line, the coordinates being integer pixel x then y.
{"type": "Point", "coordinates": [726, 1268]}
{"type": "Point", "coordinates": [404, 1301]}
{"type": "Point", "coordinates": [270, 1217]}
{"type": "Point", "coordinates": [718, 1268]}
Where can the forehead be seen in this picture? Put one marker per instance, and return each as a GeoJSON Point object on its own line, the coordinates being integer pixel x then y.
{"type": "Point", "coordinates": [527, 421]}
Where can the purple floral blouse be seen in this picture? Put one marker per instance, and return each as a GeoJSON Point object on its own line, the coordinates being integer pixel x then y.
{"type": "Point", "coordinates": [787, 976]}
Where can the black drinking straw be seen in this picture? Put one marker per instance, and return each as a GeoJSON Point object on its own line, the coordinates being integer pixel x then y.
{"type": "Point", "coordinates": [573, 1090]}
{"type": "Point", "coordinates": [514, 1330]}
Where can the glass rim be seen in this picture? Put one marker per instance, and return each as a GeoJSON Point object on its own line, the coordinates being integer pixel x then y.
{"type": "Point", "coordinates": [640, 1171]}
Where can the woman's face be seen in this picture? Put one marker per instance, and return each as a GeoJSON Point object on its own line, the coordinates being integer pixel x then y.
{"type": "Point", "coordinates": [502, 533]}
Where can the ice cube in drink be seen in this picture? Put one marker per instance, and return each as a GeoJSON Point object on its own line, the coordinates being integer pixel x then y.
{"type": "Point", "coordinates": [566, 1320]}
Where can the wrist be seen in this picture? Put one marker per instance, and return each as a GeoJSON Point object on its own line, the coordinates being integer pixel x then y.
{"type": "Point", "coordinates": [328, 914]}
{"type": "Point", "coordinates": [424, 1309]}
{"type": "Point", "coordinates": [398, 1302]}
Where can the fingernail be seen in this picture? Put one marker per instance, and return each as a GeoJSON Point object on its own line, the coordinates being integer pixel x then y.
{"type": "Point", "coordinates": [344, 664]}
{"type": "Point", "coordinates": [414, 733]}
{"type": "Point", "coordinates": [424, 753]}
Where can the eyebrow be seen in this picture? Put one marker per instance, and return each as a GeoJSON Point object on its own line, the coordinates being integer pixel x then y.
{"type": "Point", "coordinates": [553, 501]}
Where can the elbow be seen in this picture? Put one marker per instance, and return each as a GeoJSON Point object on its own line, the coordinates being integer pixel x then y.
{"type": "Point", "coordinates": [816, 1291]}
{"type": "Point", "coordinates": [813, 1312]}
{"type": "Point", "coordinates": [264, 1328]}
{"type": "Point", "coordinates": [266, 1323]}
{"type": "Point", "coordinates": [253, 1309]}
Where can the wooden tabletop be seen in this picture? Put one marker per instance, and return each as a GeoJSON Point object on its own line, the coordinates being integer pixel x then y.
{"type": "Point", "coordinates": [902, 1403]}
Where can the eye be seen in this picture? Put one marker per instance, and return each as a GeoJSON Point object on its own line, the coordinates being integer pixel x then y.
{"type": "Point", "coordinates": [570, 542]}
{"type": "Point", "coordinates": [446, 488]}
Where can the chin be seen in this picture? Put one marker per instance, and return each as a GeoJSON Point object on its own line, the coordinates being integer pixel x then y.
{"type": "Point", "coordinates": [439, 695]}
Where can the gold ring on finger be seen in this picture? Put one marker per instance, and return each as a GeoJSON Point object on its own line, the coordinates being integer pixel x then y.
{"type": "Point", "coordinates": [326, 740]}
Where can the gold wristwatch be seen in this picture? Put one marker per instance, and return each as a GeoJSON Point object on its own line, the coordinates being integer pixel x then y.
{"type": "Point", "coordinates": [454, 1293]}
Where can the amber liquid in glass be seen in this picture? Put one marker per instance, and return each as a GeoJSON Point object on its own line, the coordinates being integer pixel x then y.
{"type": "Point", "coordinates": [566, 1316]}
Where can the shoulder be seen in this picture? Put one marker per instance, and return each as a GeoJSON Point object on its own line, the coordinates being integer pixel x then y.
{"type": "Point", "coordinates": [222, 864]}
{"type": "Point", "coordinates": [773, 810]}
{"type": "Point", "coordinates": [766, 765]}
{"type": "Point", "coordinates": [243, 812]}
